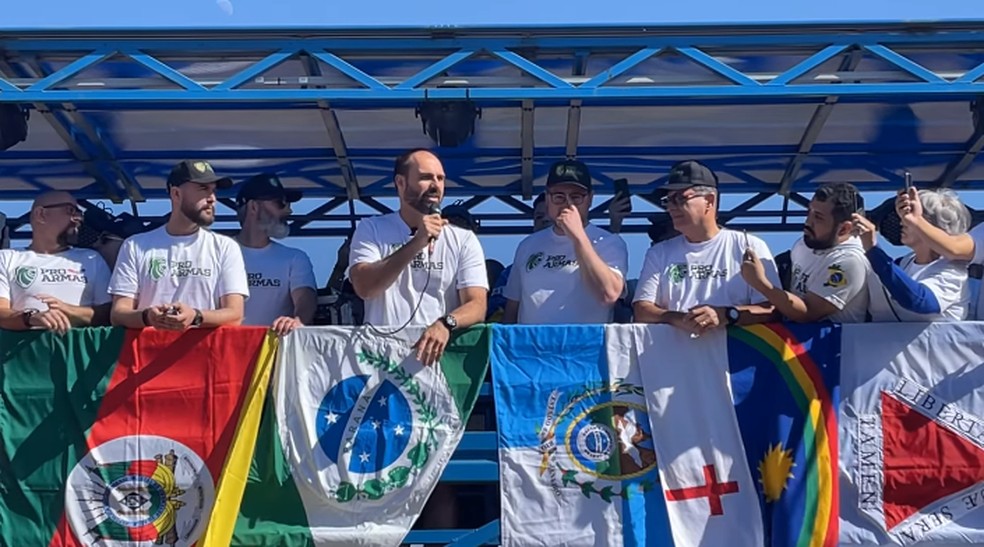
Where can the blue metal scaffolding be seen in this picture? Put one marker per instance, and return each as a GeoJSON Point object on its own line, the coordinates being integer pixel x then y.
{"type": "Point", "coordinates": [775, 109]}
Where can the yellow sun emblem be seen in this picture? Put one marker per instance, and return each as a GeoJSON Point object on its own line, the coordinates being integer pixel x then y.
{"type": "Point", "coordinates": [774, 471]}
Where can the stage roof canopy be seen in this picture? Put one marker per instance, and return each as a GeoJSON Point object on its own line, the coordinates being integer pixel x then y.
{"type": "Point", "coordinates": [772, 108]}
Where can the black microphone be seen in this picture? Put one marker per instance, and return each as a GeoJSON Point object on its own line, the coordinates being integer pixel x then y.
{"type": "Point", "coordinates": [435, 209]}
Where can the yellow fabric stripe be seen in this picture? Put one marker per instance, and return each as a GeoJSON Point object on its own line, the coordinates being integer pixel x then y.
{"type": "Point", "coordinates": [232, 482]}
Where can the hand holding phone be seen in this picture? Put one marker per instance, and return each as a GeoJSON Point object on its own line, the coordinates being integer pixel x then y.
{"type": "Point", "coordinates": [621, 188]}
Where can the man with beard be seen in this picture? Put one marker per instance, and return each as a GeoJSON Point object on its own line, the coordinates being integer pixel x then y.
{"type": "Point", "coordinates": [282, 290]}
{"type": "Point", "coordinates": [829, 267]}
{"type": "Point", "coordinates": [181, 275]}
{"type": "Point", "coordinates": [50, 284]}
{"type": "Point", "coordinates": [413, 268]}
{"type": "Point", "coordinates": [693, 281]}
{"type": "Point", "coordinates": [573, 272]}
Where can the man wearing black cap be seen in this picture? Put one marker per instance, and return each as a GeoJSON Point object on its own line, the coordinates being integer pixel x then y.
{"type": "Point", "coordinates": [282, 288]}
{"type": "Point", "coordinates": [575, 271]}
{"type": "Point", "coordinates": [181, 275]}
{"type": "Point", "coordinates": [693, 281]}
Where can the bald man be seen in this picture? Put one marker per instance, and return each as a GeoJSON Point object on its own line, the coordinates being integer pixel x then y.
{"type": "Point", "coordinates": [50, 284]}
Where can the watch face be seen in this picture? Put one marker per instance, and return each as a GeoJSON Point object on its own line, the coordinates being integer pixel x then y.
{"type": "Point", "coordinates": [450, 321]}
{"type": "Point", "coordinates": [734, 314]}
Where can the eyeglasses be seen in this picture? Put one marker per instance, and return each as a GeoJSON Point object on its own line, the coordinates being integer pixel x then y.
{"type": "Point", "coordinates": [70, 209]}
{"type": "Point", "coordinates": [560, 198]}
{"type": "Point", "coordinates": [279, 202]}
{"type": "Point", "coordinates": [676, 199]}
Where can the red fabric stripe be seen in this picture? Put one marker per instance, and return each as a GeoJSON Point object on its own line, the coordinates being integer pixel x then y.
{"type": "Point", "coordinates": [144, 468]}
{"type": "Point", "coordinates": [830, 423]}
{"type": "Point", "coordinates": [160, 387]}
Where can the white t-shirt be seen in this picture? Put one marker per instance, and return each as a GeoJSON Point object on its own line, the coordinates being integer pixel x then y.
{"type": "Point", "coordinates": [679, 275]}
{"type": "Point", "coordinates": [546, 279]}
{"type": "Point", "coordinates": [945, 278]}
{"type": "Point", "coordinates": [977, 233]}
{"type": "Point", "coordinates": [273, 273]}
{"type": "Point", "coordinates": [157, 268]}
{"type": "Point", "coordinates": [838, 275]}
{"type": "Point", "coordinates": [458, 262]}
{"type": "Point", "coordinates": [76, 276]}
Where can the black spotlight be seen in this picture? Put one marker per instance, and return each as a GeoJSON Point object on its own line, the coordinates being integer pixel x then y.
{"type": "Point", "coordinates": [448, 123]}
{"type": "Point", "coordinates": [977, 113]}
{"type": "Point", "coordinates": [13, 125]}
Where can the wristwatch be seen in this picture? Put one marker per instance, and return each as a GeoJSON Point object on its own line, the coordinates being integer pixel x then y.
{"type": "Point", "coordinates": [449, 321]}
{"type": "Point", "coordinates": [732, 314]}
{"type": "Point", "coordinates": [197, 321]}
{"type": "Point", "coordinates": [28, 314]}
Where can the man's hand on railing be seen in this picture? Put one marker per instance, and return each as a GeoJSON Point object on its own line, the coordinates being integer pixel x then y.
{"type": "Point", "coordinates": [283, 325]}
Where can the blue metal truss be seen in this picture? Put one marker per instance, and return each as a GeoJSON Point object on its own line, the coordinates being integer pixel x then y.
{"type": "Point", "coordinates": [73, 78]}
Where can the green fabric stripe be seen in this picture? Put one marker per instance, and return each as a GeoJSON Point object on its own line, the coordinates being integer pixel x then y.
{"type": "Point", "coordinates": [271, 507]}
{"type": "Point", "coordinates": [811, 505]}
{"type": "Point", "coordinates": [50, 390]}
{"type": "Point", "coordinates": [465, 363]}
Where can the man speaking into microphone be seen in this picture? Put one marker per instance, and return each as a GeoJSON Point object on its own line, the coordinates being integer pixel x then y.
{"type": "Point", "coordinates": [414, 269]}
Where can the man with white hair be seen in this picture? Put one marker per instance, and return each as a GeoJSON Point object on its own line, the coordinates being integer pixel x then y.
{"type": "Point", "coordinates": [282, 288]}
{"type": "Point", "coordinates": [51, 284]}
{"type": "Point", "coordinates": [923, 286]}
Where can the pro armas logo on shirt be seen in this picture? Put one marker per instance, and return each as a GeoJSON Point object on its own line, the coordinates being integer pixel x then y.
{"type": "Point", "coordinates": [257, 280]}
{"type": "Point", "coordinates": [678, 272]}
{"type": "Point", "coordinates": [25, 276]}
{"type": "Point", "coordinates": [158, 267]}
{"type": "Point", "coordinates": [550, 262]}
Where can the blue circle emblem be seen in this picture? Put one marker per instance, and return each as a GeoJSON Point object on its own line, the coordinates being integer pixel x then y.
{"type": "Point", "coordinates": [373, 426]}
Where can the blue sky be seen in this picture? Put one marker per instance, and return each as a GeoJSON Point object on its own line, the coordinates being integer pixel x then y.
{"type": "Point", "coordinates": [306, 13]}
{"type": "Point", "coordinates": [135, 14]}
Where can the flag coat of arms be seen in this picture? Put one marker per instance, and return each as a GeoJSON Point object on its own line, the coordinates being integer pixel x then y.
{"type": "Point", "coordinates": [357, 436]}
{"type": "Point", "coordinates": [912, 430]}
{"type": "Point", "coordinates": [576, 455]}
{"type": "Point", "coordinates": [125, 437]}
{"type": "Point", "coordinates": [710, 495]}
{"type": "Point", "coordinates": [785, 382]}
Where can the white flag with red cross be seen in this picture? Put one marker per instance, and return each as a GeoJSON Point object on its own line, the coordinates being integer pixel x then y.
{"type": "Point", "coordinates": [710, 495]}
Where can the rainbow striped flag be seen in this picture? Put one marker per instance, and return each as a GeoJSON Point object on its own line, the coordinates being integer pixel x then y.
{"type": "Point", "coordinates": [785, 384]}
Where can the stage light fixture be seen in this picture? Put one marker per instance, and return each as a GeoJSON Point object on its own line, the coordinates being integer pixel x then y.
{"type": "Point", "coordinates": [13, 125]}
{"type": "Point", "coordinates": [448, 123]}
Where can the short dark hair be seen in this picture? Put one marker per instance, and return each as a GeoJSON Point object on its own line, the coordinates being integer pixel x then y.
{"type": "Point", "coordinates": [540, 199]}
{"type": "Point", "coordinates": [402, 164]}
{"type": "Point", "coordinates": [844, 197]}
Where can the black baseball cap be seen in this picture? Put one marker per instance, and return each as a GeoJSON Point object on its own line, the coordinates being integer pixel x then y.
{"type": "Point", "coordinates": [196, 171]}
{"type": "Point", "coordinates": [265, 186]}
{"type": "Point", "coordinates": [569, 171]}
{"type": "Point", "coordinates": [686, 174]}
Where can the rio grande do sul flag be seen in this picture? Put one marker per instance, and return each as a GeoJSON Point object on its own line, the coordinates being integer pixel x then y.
{"type": "Point", "coordinates": [124, 437]}
{"type": "Point", "coordinates": [912, 434]}
{"type": "Point", "coordinates": [576, 458]}
{"type": "Point", "coordinates": [357, 436]}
